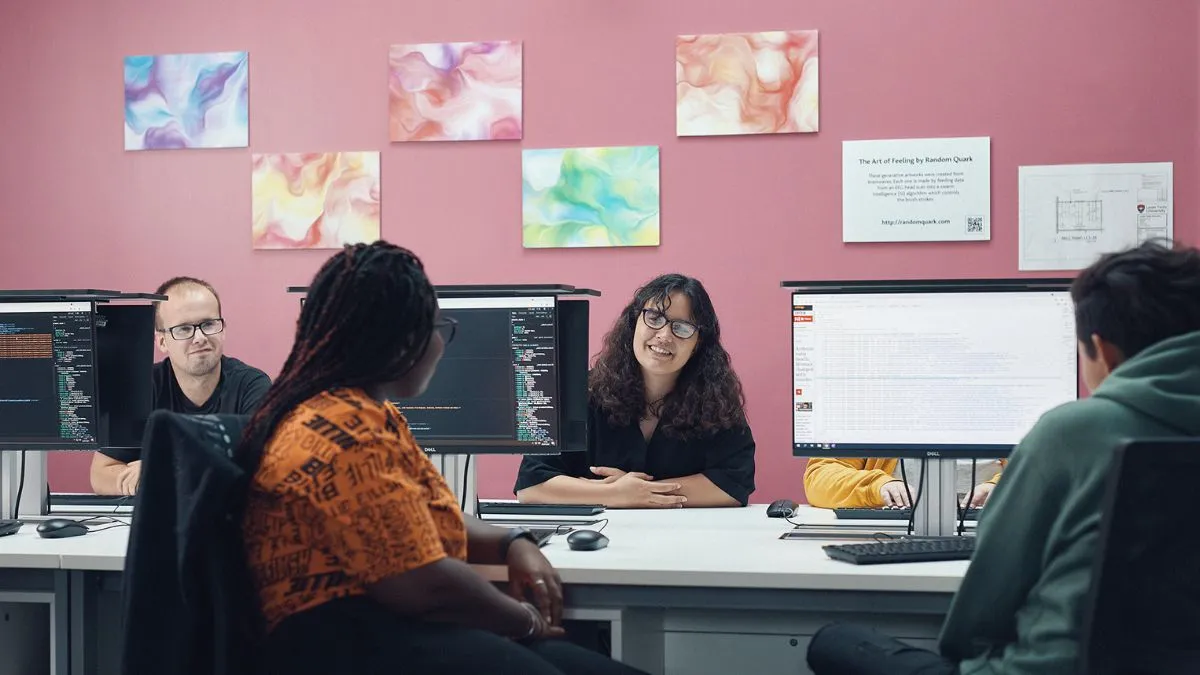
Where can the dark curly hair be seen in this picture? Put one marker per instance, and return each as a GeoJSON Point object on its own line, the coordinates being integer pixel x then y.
{"type": "Point", "coordinates": [707, 397]}
{"type": "Point", "coordinates": [367, 320]}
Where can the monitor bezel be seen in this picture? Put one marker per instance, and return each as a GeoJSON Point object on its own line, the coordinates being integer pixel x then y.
{"type": "Point", "coordinates": [876, 287]}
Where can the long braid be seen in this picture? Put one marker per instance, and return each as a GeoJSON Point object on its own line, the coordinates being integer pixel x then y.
{"type": "Point", "coordinates": [368, 319]}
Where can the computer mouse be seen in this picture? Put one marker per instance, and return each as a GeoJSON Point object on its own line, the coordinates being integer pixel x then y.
{"type": "Point", "coordinates": [57, 528]}
{"type": "Point", "coordinates": [586, 540]}
{"type": "Point", "coordinates": [782, 508]}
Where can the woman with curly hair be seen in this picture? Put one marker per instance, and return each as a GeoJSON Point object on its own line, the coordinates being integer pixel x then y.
{"type": "Point", "coordinates": [667, 423]}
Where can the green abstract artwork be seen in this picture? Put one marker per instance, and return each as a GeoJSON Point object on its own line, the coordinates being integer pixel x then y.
{"type": "Point", "coordinates": [590, 197]}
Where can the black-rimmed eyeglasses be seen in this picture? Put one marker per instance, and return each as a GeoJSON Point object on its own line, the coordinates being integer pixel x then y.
{"type": "Point", "coordinates": [679, 328]}
{"type": "Point", "coordinates": [186, 331]}
{"type": "Point", "coordinates": [446, 327]}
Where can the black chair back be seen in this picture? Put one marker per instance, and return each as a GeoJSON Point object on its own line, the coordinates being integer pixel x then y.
{"type": "Point", "coordinates": [189, 603]}
{"type": "Point", "coordinates": [1143, 610]}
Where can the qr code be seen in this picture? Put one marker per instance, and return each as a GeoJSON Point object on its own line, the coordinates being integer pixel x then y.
{"type": "Point", "coordinates": [974, 224]}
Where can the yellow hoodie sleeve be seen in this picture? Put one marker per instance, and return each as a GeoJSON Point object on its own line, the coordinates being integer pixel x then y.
{"type": "Point", "coordinates": [996, 479]}
{"type": "Point", "coordinates": [847, 483]}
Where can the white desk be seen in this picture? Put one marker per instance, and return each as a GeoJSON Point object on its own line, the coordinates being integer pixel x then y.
{"type": "Point", "coordinates": [33, 587]}
{"type": "Point", "coordinates": [689, 591]}
{"type": "Point", "coordinates": [716, 591]}
{"type": "Point", "coordinates": [729, 548]}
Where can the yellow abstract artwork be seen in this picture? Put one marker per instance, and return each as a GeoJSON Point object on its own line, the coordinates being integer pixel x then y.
{"type": "Point", "coordinates": [315, 200]}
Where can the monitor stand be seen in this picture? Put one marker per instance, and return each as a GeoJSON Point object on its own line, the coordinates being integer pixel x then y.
{"type": "Point", "coordinates": [937, 513]}
{"type": "Point", "coordinates": [459, 472]}
{"type": "Point", "coordinates": [33, 498]}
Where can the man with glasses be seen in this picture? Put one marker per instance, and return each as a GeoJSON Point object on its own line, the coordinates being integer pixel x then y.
{"type": "Point", "coordinates": [196, 377]}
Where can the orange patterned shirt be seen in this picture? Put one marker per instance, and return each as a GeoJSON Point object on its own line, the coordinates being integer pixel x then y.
{"type": "Point", "coordinates": [344, 497]}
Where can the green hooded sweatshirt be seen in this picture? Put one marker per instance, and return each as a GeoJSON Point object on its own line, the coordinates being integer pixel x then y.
{"type": "Point", "coordinates": [1019, 608]}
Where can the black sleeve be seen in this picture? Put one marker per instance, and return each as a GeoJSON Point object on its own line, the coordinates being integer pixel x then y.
{"type": "Point", "coordinates": [729, 463]}
{"type": "Point", "coordinates": [125, 455]}
{"type": "Point", "coordinates": [537, 469]}
{"type": "Point", "coordinates": [254, 387]}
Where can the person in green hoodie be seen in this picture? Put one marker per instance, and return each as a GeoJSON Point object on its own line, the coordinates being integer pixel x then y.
{"type": "Point", "coordinates": [1019, 608]}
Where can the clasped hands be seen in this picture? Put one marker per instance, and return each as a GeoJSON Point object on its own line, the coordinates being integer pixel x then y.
{"type": "Point", "coordinates": [636, 490]}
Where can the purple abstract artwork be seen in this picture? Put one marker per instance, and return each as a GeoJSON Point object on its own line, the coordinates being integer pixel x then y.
{"type": "Point", "coordinates": [179, 101]}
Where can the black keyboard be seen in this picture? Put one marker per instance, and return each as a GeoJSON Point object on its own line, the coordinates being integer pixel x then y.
{"type": "Point", "coordinates": [891, 514]}
{"type": "Point", "coordinates": [903, 550]}
{"type": "Point", "coordinates": [518, 509]}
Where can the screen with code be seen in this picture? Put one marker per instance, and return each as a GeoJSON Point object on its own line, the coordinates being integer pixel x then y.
{"type": "Point", "coordinates": [496, 388]}
{"type": "Point", "coordinates": [47, 375]}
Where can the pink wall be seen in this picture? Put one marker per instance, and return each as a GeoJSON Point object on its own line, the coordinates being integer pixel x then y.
{"type": "Point", "coordinates": [1047, 83]}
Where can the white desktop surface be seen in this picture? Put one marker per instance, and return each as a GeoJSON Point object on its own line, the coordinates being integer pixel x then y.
{"type": "Point", "coordinates": [729, 548]}
{"type": "Point", "coordinates": [26, 549]}
{"type": "Point", "coordinates": [102, 550]}
{"type": "Point", "coordinates": [95, 551]}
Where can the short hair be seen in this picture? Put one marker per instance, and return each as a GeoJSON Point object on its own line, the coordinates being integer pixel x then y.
{"type": "Point", "coordinates": [1138, 297]}
{"type": "Point", "coordinates": [167, 286]}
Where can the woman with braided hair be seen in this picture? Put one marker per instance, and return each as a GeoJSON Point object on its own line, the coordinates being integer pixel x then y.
{"type": "Point", "coordinates": [358, 549]}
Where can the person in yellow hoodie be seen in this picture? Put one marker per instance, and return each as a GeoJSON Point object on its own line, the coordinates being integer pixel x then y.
{"type": "Point", "coordinates": [831, 483]}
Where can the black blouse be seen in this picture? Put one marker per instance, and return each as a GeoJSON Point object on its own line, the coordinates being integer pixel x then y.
{"type": "Point", "coordinates": [726, 458]}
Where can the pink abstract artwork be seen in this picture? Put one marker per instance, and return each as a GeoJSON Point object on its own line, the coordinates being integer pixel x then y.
{"type": "Point", "coordinates": [746, 83]}
{"type": "Point", "coordinates": [454, 91]}
{"type": "Point", "coordinates": [315, 200]}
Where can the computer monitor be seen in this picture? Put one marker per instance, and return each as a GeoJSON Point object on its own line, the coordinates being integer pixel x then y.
{"type": "Point", "coordinates": [927, 369]}
{"type": "Point", "coordinates": [48, 376]}
{"type": "Point", "coordinates": [512, 381]}
{"type": "Point", "coordinates": [125, 347]}
{"type": "Point", "coordinates": [74, 375]}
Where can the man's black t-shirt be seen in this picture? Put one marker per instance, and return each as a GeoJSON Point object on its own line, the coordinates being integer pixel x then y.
{"type": "Point", "coordinates": [238, 392]}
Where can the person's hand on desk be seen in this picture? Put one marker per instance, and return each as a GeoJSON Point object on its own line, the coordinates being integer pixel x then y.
{"type": "Point", "coordinates": [632, 491]}
{"type": "Point", "coordinates": [129, 478]}
{"type": "Point", "coordinates": [895, 493]}
{"type": "Point", "coordinates": [979, 495]}
{"type": "Point", "coordinates": [531, 575]}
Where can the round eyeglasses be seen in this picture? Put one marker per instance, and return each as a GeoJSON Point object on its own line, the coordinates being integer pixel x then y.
{"type": "Point", "coordinates": [679, 328]}
{"type": "Point", "coordinates": [186, 331]}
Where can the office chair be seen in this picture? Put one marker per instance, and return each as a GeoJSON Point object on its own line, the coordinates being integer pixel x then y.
{"type": "Point", "coordinates": [190, 607]}
{"type": "Point", "coordinates": [1142, 615]}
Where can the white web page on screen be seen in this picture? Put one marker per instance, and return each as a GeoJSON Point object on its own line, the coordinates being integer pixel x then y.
{"type": "Point", "coordinates": [950, 368]}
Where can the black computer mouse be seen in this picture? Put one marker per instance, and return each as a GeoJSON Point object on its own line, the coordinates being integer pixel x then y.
{"type": "Point", "coordinates": [586, 540]}
{"type": "Point", "coordinates": [782, 508]}
{"type": "Point", "coordinates": [57, 528]}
